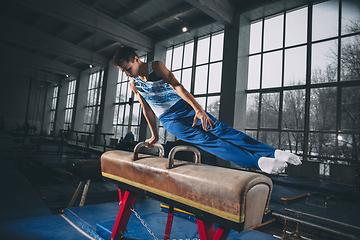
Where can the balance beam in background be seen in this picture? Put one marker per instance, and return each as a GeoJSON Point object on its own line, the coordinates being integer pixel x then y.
{"type": "Point", "coordinates": [232, 198]}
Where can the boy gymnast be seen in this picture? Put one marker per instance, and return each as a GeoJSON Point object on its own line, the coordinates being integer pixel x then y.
{"type": "Point", "coordinates": [160, 94]}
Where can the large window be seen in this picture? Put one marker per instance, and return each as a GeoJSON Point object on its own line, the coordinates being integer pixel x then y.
{"type": "Point", "coordinates": [127, 111]}
{"type": "Point", "coordinates": [53, 109]}
{"type": "Point", "coordinates": [69, 104]}
{"type": "Point", "coordinates": [197, 65]}
{"type": "Point", "coordinates": [92, 107]}
{"type": "Point", "coordinates": [304, 82]}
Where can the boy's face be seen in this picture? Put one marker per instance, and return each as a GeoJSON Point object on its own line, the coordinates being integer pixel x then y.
{"type": "Point", "coordinates": [131, 69]}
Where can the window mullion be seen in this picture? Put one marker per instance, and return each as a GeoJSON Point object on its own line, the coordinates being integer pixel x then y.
{"type": "Point", "coordinates": [208, 72]}
{"type": "Point", "coordinates": [281, 97]}
{"type": "Point", "coordinates": [192, 88]}
{"type": "Point", "coordinates": [308, 83]}
{"type": "Point", "coordinates": [339, 89]}
{"type": "Point", "coordinates": [261, 73]}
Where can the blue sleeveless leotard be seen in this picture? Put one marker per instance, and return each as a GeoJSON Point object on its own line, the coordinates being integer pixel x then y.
{"type": "Point", "coordinates": [156, 92]}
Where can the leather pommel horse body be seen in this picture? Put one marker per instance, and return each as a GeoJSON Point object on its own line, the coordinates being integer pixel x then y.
{"type": "Point", "coordinates": [232, 198]}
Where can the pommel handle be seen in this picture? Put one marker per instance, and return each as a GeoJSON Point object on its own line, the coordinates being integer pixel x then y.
{"type": "Point", "coordinates": [145, 144]}
{"type": "Point", "coordinates": [183, 148]}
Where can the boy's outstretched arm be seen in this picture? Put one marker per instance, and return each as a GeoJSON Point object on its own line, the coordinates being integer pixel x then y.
{"type": "Point", "coordinates": [149, 115]}
{"type": "Point", "coordinates": [161, 71]}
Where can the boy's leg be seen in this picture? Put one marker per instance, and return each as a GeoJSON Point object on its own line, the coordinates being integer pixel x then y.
{"type": "Point", "coordinates": [211, 143]}
{"type": "Point", "coordinates": [225, 142]}
{"type": "Point", "coordinates": [240, 139]}
{"type": "Point", "coordinates": [182, 111]}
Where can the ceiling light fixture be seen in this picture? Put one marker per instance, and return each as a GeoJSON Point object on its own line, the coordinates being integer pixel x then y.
{"type": "Point", "coordinates": [184, 29]}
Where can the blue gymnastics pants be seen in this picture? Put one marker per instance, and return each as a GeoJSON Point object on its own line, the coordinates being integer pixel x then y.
{"type": "Point", "coordinates": [222, 141]}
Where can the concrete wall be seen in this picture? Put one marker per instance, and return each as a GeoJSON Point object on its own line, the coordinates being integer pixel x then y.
{"type": "Point", "coordinates": [16, 102]}
{"type": "Point", "coordinates": [13, 97]}
{"type": "Point", "coordinates": [36, 104]}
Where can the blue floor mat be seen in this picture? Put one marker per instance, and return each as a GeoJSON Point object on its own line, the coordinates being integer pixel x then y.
{"type": "Point", "coordinates": [101, 218]}
{"type": "Point", "coordinates": [21, 202]}
{"type": "Point", "coordinates": [18, 198]}
{"type": "Point", "coordinates": [40, 228]}
{"type": "Point", "coordinates": [340, 191]}
{"type": "Point", "coordinates": [286, 195]}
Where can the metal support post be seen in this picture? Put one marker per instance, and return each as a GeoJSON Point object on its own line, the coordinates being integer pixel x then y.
{"type": "Point", "coordinates": [87, 145]}
{"type": "Point", "coordinates": [62, 144]}
{"type": "Point", "coordinates": [77, 144]}
{"type": "Point", "coordinates": [84, 194]}
{"type": "Point", "coordinates": [104, 142]}
{"type": "Point", "coordinates": [80, 186]}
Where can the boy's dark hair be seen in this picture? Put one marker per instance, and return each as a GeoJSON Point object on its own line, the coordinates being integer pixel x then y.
{"type": "Point", "coordinates": [124, 53]}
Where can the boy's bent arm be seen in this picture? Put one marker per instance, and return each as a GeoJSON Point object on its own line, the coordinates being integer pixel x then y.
{"type": "Point", "coordinates": [149, 115]}
{"type": "Point", "coordinates": [161, 71]}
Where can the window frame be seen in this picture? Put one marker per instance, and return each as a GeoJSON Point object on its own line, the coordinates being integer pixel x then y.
{"type": "Point", "coordinates": [308, 87]}
{"type": "Point", "coordinates": [163, 134]}
{"type": "Point", "coordinates": [127, 105]}
{"type": "Point", "coordinates": [54, 100]}
{"type": "Point", "coordinates": [92, 110]}
{"type": "Point", "coordinates": [70, 101]}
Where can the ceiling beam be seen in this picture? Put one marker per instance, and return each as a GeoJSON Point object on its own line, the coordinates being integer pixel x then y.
{"type": "Point", "coordinates": [83, 38]}
{"type": "Point", "coordinates": [185, 36]}
{"type": "Point", "coordinates": [62, 29]}
{"type": "Point", "coordinates": [21, 34]}
{"type": "Point", "coordinates": [220, 10]}
{"type": "Point", "coordinates": [106, 46]}
{"type": "Point", "coordinates": [22, 58]}
{"type": "Point", "coordinates": [170, 15]}
{"type": "Point", "coordinates": [28, 72]}
{"type": "Point", "coordinates": [84, 16]}
{"type": "Point", "coordinates": [136, 6]}
{"type": "Point", "coordinates": [36, 20]}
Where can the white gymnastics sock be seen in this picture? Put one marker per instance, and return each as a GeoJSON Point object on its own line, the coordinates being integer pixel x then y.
{"type": "Point", "coordinates": [287, 157]}
{"type": "Point", "coordinates": [272, 165]}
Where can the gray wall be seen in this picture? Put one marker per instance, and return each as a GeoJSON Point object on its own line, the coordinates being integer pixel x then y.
{"type": "Point", "coordinates": [81, 101]}
{"type": "Point", "coordinates": [15, 99]}
{"type": "Point", "coordinates": [110, 97]}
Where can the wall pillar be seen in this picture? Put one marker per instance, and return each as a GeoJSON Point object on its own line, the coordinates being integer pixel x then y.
{"type": "Point", "coordinates": [109, 99]}
{"type": "Point", "coordinates": [242, 74]}
{"type": "Point", "coordinates": [81, 101]}
{"type": "Point", "coordinates": [229, 73]}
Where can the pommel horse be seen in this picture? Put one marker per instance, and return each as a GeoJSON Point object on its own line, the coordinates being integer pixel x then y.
{"type": "Point", "coordinates": [232, 198]}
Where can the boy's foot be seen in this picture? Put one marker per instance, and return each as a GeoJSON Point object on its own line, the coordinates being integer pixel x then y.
{"type": "Point", "coordinates": [287, 157]}
{"type": "Point", "coordinates": [272, 165]}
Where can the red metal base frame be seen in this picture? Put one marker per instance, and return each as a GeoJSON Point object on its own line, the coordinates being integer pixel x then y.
{"type": "Point", "coordinates": [127, 200]}
{"type": "Point", "coordinates": [169, 223]}
{"type": "Point", "coordinates": [207, 231]}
